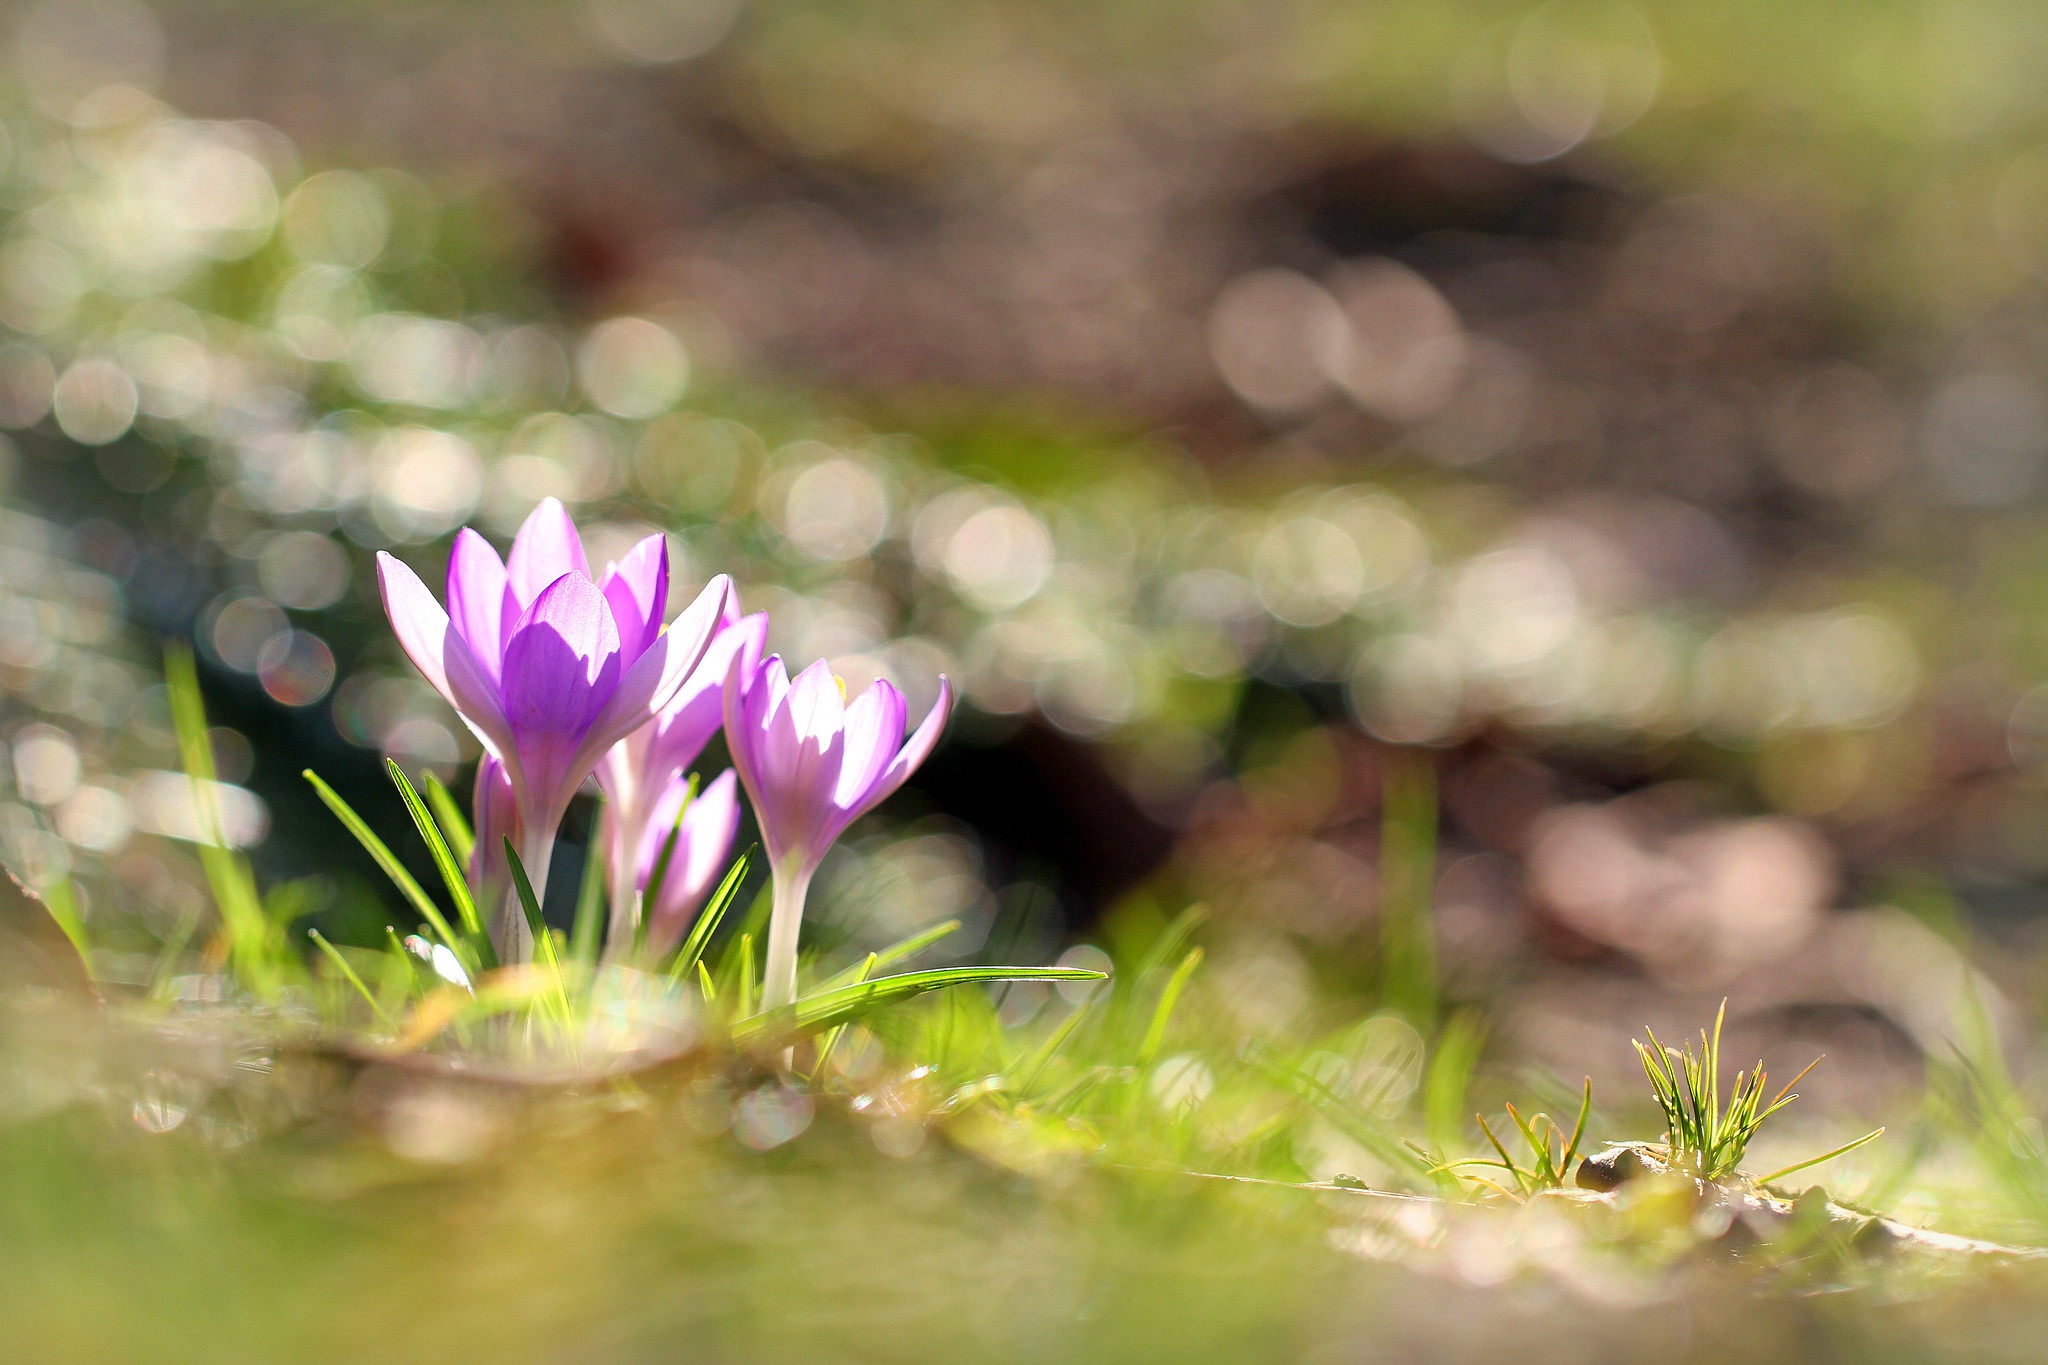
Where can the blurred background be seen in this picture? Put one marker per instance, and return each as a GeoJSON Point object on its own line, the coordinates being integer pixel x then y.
{"type": "Point", "coordinates": [1620, 429]}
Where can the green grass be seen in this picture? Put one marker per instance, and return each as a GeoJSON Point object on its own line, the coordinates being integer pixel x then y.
{"type": "Point", "coordinates": [1553, 1155]}
{"type": "Point", "coordinates": [1703, 1137]}
{"type": "Point", "coordinates": [406, 1152]}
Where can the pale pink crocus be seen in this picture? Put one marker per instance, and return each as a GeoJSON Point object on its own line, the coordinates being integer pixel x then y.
{"type": "Point", "coordinates": [547, 667]}
{"type": "Point", "coordinates": [641, 775]}
{"type": "Point", "coordinates": [813, 763]}
{"type": "Point", "coordinates": [703, 849]}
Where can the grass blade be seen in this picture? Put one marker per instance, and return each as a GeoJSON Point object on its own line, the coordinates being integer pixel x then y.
{"type": "Point", "coordinates": [349, 973]}
{"type": "Point", "coordinates": [890, 955]}
{"type": "Point", "coordinates": [1169, 997]}
{"type": "Point", "coordinates": [254, 948]}
{"type": "Point", "coordinates": [406, 960]}
{"type": "Point", "coordinates": [752, 925]}
{"type": "Point", "coordinates": [170, 954]}
{"type": "Point", "coordinates": [449, 815]}
{"type": "Point", "coordinates": [444, 862]}
{"type": "Point", "coordinates": [388, 861]}
{"type": "Point", "coordinates": [1169, 943]}
{"type": "Point", "coordinates": [1507, 1162]}
{"type": "Point", "coordinates": [1571, 1149]}
{"type": "Point", "coordinates": [1028, 1074]}
{"type": "Point", "coordinates": [1711, 1063]}
{"type": "Point", "coordinates": [1068, 1097]}
{"type": "Point", "coordinates": [1871, 1136]}
{"type": "Point", "coordinates": [692, 952]}
{"type": "Point", "coordinates": [1784, 1095]}
{"type": "Point", "coordinates": [832, 1036]}
{"type": "Point", "coordinates": [543, 939]}
{"type": "Point", "coordinates": [743, 994]}
{"type": "Point", "coordinates": [61, 900]}
{"type": "Point", "coordinates": [1539, 1149]}
{"type": "Point", "coordinates": [1361, 1127]}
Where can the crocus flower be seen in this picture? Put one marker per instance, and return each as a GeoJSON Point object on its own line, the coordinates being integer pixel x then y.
{"type": "Point", "coordinates": [546, 667]}
{"type": "Point", "coordinates": [703, 846]}
{"type": "Point", "coordinates": [812, 764]}
{"type": "Point", "coordinates": [647, 766]}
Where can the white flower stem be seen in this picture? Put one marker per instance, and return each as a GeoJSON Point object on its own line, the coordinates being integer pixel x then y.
{"type": "Point", "coordinates": [625, 919]}
{"type": "Point", "coordinates": [785, 919]}
{"type": "Point", "coordinates": [625, 897]}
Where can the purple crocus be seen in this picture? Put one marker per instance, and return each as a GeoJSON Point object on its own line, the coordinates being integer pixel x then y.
{"type": "Point", "coordinates": [646, 767]}
{"type": "Point", "coordinates": [703, 846]}
{"type": "Point", "coordinates": [549, 668]}
{"type": "Point", "coordinates": [814, 763]}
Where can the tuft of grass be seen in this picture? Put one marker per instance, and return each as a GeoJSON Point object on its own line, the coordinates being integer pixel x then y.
{"type": "Point", "coordinates": [1703, 1137]}
{"type": "Point", "coordinates": [1552, 1152]}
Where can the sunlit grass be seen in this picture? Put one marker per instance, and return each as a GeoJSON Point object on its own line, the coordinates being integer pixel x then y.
{"type": "Point", "coordinates": [1704, 1137]}
{"type": "Point", "coordinates": [887, 1133]}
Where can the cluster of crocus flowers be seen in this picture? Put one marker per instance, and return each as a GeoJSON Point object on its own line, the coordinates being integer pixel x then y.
{"type": "Point", "coordinates": [549, 668]}
{"type": "Point", "coordinates": [562, 677]}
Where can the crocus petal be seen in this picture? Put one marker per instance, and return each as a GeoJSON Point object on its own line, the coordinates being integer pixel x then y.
{"type": "Point", "coordinates": [802, 770]}
{"type": "Point", "coordinates": [562, 660]}
{"type": "Point", "coordinates": [689, 721]}
{"type": "Point", "coordinates": [416, 618]}
{"type": "Point", "coordinates": [916, 751]}
{"type": "Point", "coordinates": [494, 812]}
{"type": "Point", "coordinates": [752, 696]}
{"type": "Point", "coordinates": [439, 652]}
{"type": "Point", "coordinates": [654, 680]}
{"type": "Point", "coordinates": [745, 687]}
{"type": "Point", "coordinates": [661, 819]}
{"type": "Point", "coordinates": [766, 691]}
{"type": "Point", "coordinates": [778, 752]}
{"type": "Point", "coordinates": [637, 588]}
{"type": "Point", "coordinates": [874, 731]}
{"type": "Point", "coordinates": [703, 849]}
{"type": "Point", "coordinates": [762, 738]}
{"type": "Point", "coordinates": [650, 755]}
{"type": "Point", "coordinates": [621, 774]}
{"type": "Point", "coordinates": [690, 635]}
{"type": "Point", "coordinates": [546, 547]}
{"type": "Point", "coordinates": [708, 827]}
{"type": "Point", "coordinates": [817, 702]}
{"type": "Point", "coordinates": [656, 676]}
{"type": "Point", "coordinates": [476, 599]}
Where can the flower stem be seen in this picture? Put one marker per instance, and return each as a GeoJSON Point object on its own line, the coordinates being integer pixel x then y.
{"type": "Point", "coordinates": [625, 897]}
{"type": "Point", "coordinates": [785, 919]}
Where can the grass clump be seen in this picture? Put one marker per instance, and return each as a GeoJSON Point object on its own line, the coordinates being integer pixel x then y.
{"type": "Point", "coordinates": [1553, 1153]}
{"type": "Point", "coordinates": [1703, 1138]}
